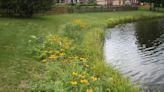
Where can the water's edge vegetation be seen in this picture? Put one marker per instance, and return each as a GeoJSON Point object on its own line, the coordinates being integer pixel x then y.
{"type": "Point", "coordinates": [74, 61]}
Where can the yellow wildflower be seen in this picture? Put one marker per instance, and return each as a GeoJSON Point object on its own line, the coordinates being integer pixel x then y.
{"type": "Point", "coordinates": [74, 83]}
{"type": "Point", "coordinates": [79, 22]}
{"type": "Point", "coordinates": [74, 73]}
{"type": "Point", "coordinates": [94, 78]}
{"type": "Point", "coordinates": [89, 90]}
{"type": "Point", "coordinates": [62, 54]}
{"type": "Point", "coordinates": [84, 81]}
{"type": "Point", "coordinates": [53, 57]}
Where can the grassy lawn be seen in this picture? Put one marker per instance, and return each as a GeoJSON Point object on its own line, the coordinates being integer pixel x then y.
{"type": "Point", "coordinates": [17, 66]}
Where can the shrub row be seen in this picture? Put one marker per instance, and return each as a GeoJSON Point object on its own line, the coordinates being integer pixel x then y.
{"type": "Point", "coordinates": [24, 8]}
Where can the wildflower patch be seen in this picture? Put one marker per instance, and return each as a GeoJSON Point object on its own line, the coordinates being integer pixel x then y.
{"type": "Point", "coordinates": [59, 52]}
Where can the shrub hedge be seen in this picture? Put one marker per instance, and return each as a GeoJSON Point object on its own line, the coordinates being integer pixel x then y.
{"type": "Point", "coordinates": [24, 8]}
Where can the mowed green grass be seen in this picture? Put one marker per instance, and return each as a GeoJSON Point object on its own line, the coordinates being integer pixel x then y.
{"type": "Point", "coordinates": [15, 64]}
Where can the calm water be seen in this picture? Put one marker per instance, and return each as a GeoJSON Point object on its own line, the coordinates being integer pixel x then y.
{"type": "Point", "coordinates": [137, 50]}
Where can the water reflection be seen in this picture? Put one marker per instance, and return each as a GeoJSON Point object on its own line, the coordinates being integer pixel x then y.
{"type": "Point", "coordinates": [148, 32]}
{"type": "Point", "coordinates": [137, 50]}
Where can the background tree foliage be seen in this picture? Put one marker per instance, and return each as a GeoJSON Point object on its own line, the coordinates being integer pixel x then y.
{"type": "Point", "coordinates": [24, 8]}
{"type": "Point", "coordinates": [156, 3]}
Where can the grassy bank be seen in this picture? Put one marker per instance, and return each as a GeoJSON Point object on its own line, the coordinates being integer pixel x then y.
{"type": "Point", "coordinates": [83, 34]}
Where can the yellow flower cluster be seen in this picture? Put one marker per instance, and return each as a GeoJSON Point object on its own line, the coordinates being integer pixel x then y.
{"type": "Point", "coordinates": [55, 55]}
{"type": "Point", "coordinates": [89, 90]}
{"type": "Point", "coordinates": [75, 74]}
{"type": "Point", "coordinates": [64, 43]}
{"type": "Point", "coordinates": [80, 23]}
{"type": "Point", "coordinates": [94, 78]}
{"type": "Point", "coordinates": [62, 54]}
{"type": "Point", "coordinates": [58, 48]}
{"type": "Point", "coordinates": [84, 81]}
{"type": "Point", "coordinates": [74, 83]}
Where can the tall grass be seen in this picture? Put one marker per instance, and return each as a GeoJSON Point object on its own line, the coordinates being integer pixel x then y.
{"type": "Point", "coordinates": [111, 22]}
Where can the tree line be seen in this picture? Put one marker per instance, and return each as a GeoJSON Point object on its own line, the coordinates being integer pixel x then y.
{"type": "Point", "coordinates": [27, 8]}
{"type": "Point", "coordinates": [154, 4]}
{"type": "Point", "coordinates": [24, 8]}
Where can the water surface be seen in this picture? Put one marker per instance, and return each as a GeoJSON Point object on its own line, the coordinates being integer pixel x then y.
{"type": "Point", "coordinates": [137, 50]}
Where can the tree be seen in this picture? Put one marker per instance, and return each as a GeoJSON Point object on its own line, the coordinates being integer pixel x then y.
{"type": "Point", "coordinates": [24, 8]}
{"type": "Point", "coordinates": [155, 3]}
{"type": "Point", "coordinates": [162, 3]}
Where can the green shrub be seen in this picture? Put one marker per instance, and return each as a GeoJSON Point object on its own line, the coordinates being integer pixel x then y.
{"type": "Point", "coordinates": [24, 8]}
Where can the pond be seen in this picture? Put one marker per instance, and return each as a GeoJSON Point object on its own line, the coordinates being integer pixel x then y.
{"type": "Point", "coordinates": [137, 51]}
